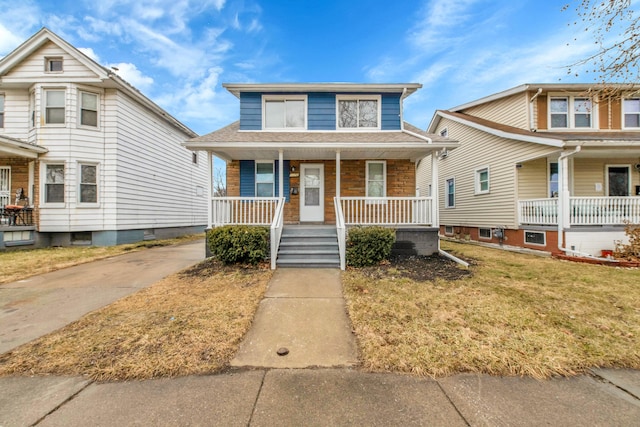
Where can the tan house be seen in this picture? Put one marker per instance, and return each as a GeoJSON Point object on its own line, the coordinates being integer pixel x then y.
{"type": "Point", "coordinates": [554, 167]}
{"type": "Point", "coordinates": [325, 155]}
{"type": "Point", "coordinates": [87, 159]}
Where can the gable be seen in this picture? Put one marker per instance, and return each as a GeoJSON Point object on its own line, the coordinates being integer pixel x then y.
{"type": "Point", "coordinates": [33, 66]}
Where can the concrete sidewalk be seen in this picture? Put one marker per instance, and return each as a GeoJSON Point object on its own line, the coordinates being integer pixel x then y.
{"type": "Point", "coordinates": [41, 304]}
{"type": "Point", "coordinates": [322, 397]}
{"type": "Point", "coordinates": [304, 311]}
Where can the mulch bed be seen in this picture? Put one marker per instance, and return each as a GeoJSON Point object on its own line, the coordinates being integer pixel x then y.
{"type": "Point", "coordinates": [419, 268]}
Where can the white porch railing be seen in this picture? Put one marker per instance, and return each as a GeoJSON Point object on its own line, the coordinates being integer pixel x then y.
{"type": "Point", "coordinates": [276, 231]}
{"type": "Point", "coordinates": [386, 210]}
{"type": "Point", "coordinates": [605, 210]}
{"type": "Point", "coordinates": [243, 210]}
{"type": "Point", "coordinates": [538, 211]}
{"type": "Point", "coordinates": [582, 211]}
{"type": "Point", "coordinates": [342, 233]}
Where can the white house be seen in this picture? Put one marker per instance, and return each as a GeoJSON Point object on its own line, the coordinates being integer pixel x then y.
{"type": "Point", "coordinates": [85, 158]}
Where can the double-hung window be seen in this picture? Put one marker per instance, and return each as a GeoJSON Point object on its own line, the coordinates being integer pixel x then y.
{"type": "Point", "coordinates": [1, 110]}
{"type": "Point", "coordinates": [285, 112]}
{"type": "Point", "coordinates": [376, 178]}
{"type": "Point", "coordinates": [88, 191]}
{"type": "Point", "coordinates": [631, 113]}
{"type": "Point", "coordinates": [54, 106]}
{"type": "Point", "coordinates": [88, 109]}
{"type": "Point", "coordinates": [450, 193]}
{"type": "Point", "coordinates": [358, 112]}
{"type": "Point", "coordinates": [482, 180]}
{"type": "Point", "coordinates": [54, 183]}
{"type": "Point", "coordinates": [265, 178]}
{"type": "Point", "coordinates": [570, 112]}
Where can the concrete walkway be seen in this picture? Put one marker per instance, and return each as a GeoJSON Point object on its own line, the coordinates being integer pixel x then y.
{"type": "Point", "coordinates": [41, 304]}
{"type": "Point", "coordinates": [304, 312]}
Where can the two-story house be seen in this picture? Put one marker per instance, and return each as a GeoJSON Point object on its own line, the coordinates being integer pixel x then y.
{"type": "Point", "coordinates": [336, 154]}
{"type": "Point", "coordinates": [85, 158]}
{"type": "Point", "coordinates": [553, 167]}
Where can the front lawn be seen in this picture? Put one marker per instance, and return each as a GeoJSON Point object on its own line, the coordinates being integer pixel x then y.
{"type": "Point", "coordinates": [515, 314]}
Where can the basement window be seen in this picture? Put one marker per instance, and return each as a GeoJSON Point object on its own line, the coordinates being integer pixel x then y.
{"type": "Point", "coordinates": [484, 233]}
{"type": "Point", "coordinates": [448, 230]}
{"type": "Point", "coordinates": [535, 238]}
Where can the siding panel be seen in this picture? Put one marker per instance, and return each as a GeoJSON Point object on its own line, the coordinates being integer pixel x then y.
{"type": "Point", "coordinates": [321, 111]}
{"type": "Point", "coordinates": [250, 111]}
{"type": "Point", "coordinates": [390, 111]}
{"type": "Point", "coordinates": [512, 110]}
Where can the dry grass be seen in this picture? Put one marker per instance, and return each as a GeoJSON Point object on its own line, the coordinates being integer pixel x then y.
{"type": "Point", "coordinates": [516, 315]}
{"type": "Point", "coordinates": [189, 323]}
{"type": "Point", "coordinates": [20, 264]}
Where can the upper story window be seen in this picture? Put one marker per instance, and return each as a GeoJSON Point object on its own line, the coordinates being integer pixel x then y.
{"type": "Point", "coordinates": [54, 106]}
{"type": "Point", "coordinates": [285, 112]}
{"type": "Point", "coordinates": [1, 110]}
{"type": "Point", "coordinates": [356, 112]}
{"type": "Point", "coordinates": [88, 109]}
{"type": "Point", "coordinates": [631, 111]}
{"type": "Point", "coordinates": [53, 65]}
{"type": "Point", "coordinates": [570, 112]}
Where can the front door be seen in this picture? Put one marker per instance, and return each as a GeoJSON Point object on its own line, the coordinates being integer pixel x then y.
{"type": "Point", "coordinates": [311, 192]}
{"type": "Point", "coordinates": [618, 177]}
{"type": "Point", "coordinates": [5, 185]}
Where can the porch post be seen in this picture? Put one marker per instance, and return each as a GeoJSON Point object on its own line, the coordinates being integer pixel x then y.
{"type": "Point", "coordinates": [281, 173]}
{"type": "Point", "coordinates": [564, 218]}
{"type": "Point", "coordinates": [210, 190]}
{"type": "Point", "coordinates": [338, 173]}
{"type": "Point", "coordinates": [435, 209]}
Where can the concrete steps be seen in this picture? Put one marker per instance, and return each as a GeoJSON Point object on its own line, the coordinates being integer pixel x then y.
{"type": "Point", "coordinates": [309, 247]}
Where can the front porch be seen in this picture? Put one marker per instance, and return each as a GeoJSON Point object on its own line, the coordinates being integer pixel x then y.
{"type": "Point", "coordinates": [583, 211]}
{"type": "Point", "coordinates": [409, 215]}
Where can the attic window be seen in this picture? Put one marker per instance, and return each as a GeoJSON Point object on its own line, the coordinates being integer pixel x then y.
{"type": "Point", "coordinates": [53, 65]}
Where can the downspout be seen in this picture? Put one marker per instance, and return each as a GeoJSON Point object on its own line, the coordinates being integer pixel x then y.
{"type": "Point", "coordinates": [402, 97]}
{"type": "Point", "coordinates": [532, 126]}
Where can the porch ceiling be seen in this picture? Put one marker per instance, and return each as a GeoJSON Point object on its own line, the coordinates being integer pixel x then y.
{"type": "Point", "coordinates": [11, 147]}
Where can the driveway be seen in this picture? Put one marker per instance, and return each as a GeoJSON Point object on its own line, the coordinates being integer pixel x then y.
{"type": "Point", "coordinates": [38, 305]}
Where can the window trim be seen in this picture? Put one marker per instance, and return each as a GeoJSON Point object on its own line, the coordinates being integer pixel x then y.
{"type": "Point", "coordinates": [2, 109]}
{"type": "Point", "coordinates": [446, 193]}
{"type": "Point", "coordinates": [80, 124]}
{"type": "Point", "coordinates": [47, 64]}
{"type": "Point", "coordinates": [80, 203]}
{"type": "Point", "coordinates": [377, 98]}
{"type": "Point", "coordinates": [624, 113]}
{"type": "Point", "coordinates": [480, 236]}
{"type": "Point", "coordinates": [45, 106]}
{"type": "Point", "coordinates": [571, 112]}
{"type": "Point", "coordinates": [478, 182]}
{"type": "Point", "coordinates": [285, 98]}
{"type": "Point", "coordinates": [43, 188]}
{"type": "Point", "coordinates": [544, 237]}
{"type": "Point", "coordinates": [384, 177]}
{"type": "Point", "coordinates": [255, 175]}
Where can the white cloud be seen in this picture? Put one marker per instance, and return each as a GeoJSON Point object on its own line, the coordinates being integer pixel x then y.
{"type": "Point", "coordinates": [90, 53]}
{"type": "Point", "coordinates": [8, 40]}
{"type": "Point", "coordinates": [131, 74]}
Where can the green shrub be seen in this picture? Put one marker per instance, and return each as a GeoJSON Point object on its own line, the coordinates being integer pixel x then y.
{"type": "Point", "coordinates": [233, 244]}
{"type": "Point", "coordinates": [369, 245]}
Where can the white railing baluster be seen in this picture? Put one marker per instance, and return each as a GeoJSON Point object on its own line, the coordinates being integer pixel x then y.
{"type": "Point", "coordinates": [386, 210]}
{"type": "Point", "coordinates": [583, 211]}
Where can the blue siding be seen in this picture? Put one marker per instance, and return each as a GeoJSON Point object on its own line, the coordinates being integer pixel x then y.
{"type": "Point", "coordinates": [248, 178]}
{"type": "Point", "coordinates": [321, 111]}
{"type": "Point", "coordinates": [390, 111]}
{"type": "Point", "coordinates": [250, 111]}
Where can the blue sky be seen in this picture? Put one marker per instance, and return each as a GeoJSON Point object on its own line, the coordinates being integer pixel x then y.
{"type": "Point", "coordinates": [179, 52]}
